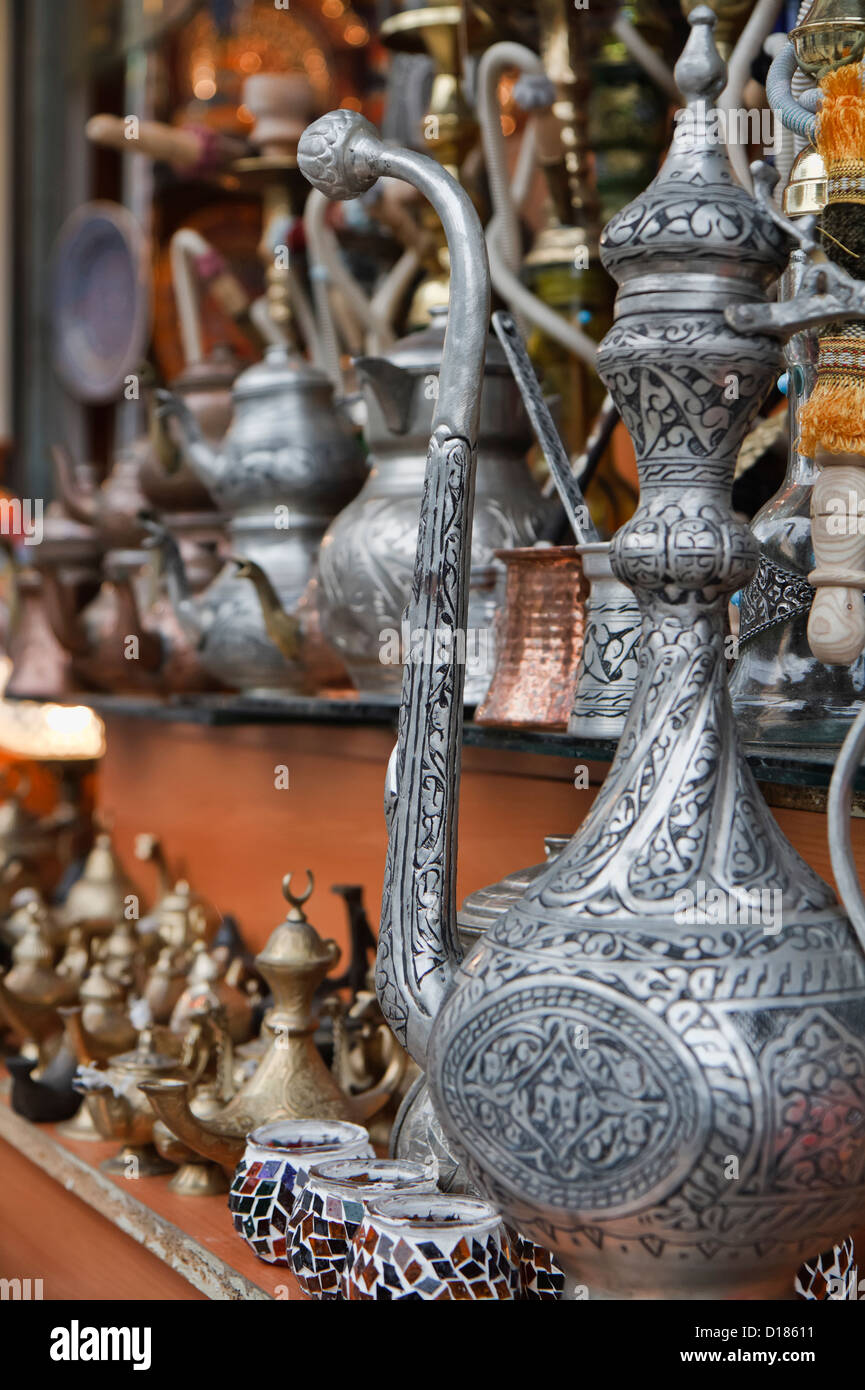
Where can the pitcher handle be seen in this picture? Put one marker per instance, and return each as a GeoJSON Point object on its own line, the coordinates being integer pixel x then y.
{"type": "Point", "coordinates": [418, 950]}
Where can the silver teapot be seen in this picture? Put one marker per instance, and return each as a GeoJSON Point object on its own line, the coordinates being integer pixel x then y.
{"type": "Point", "coordinates": [367, 555]}
{"type": "Point", "coordinates": [288, 463]}
{"type": "Point", "coordinates": [654, 1062]}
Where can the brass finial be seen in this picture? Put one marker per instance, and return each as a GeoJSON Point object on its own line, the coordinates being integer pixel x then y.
{"type": "Point", "coordinates": [297, 914]}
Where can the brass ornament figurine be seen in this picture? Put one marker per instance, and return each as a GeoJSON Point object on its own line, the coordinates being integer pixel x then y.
{"type": "Point", "coordinates": [99, 898]}
{"type": "Point", "coordinates": [665, 993]}
{"type": "Point", "coordinates": [119, 1109]}
{"type": "Point", "coordinates": [291, 1080]}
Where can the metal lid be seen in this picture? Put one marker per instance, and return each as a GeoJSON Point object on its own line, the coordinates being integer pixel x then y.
{"type": "Point", "coordinates": [693, 221]}
{"type": "Point", "coordinates": [421, 351]}
{"type": "Point", "coordinates": [279, 370]}
{"type": "Point", "coordinates": [144, 1059]}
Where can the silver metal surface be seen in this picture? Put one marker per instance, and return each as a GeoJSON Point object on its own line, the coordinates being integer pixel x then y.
{"type": "Point", "coordinates": [597, 1057]}
{"type": "Point", "coordinates": [341, 155]}
{"type": "Point", "coordinates": [608, 668]}
{"type": "Point", "coordinates": [367, 554]}
{"type": "Point", "coordinates": [538, 412]}
{"type": "Point", "coordinates": [287, 465]}
{"type": "Point", "coordinates": [838, 824]}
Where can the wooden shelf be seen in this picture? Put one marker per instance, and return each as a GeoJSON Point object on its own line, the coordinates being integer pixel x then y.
{"type": "Point", "coordinates": [192, 1236]}
{"type": "Point", "coordinates": [796, 766]}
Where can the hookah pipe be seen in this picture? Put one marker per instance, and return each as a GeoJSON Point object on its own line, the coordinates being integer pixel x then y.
{"type": "Point", "coordinates": [194, 152]}
{"type": "Point", "coordinates": [503, 233]}
{"type": "Point", "coordinates": [832, 421]}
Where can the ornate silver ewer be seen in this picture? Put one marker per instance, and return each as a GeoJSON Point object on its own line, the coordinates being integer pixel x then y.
{"type": "Point", "coordinates": [654, 1063]}
{"type": "Point", "coordinates": [367, 552]}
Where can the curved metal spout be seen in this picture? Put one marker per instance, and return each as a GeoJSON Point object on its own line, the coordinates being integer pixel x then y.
{"type": "Point", "coordinates": [80, 503]}
{"type": "Point", "coordinates": [282, 628]}
{"type": "Point", "coordinates": [176, 579]}
{"type": "Point", "coordinates": [418, 951]}
{"type": "Point", "coordinates": [393, 388]}
{"type": "Point", "coordinates": [63, 614]}
{"type": "Point", "coordinates": [195, 449]}
{"type": "Point", "coordinates": [170, 1100]}
{"type": "Point", "coordinates": [365, 1104]}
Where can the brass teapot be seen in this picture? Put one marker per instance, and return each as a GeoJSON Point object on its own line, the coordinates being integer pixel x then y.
{"type": "Point", "coordinates": [120, 1110]}
{"type": "Point", "coordinates": [32, 991]}
{"type": "Point", "coordinates": [98, 1026]}
{"type": "Point", "coordinates": [103, 893]}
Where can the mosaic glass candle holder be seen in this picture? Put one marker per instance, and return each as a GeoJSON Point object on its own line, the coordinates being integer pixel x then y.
{"type": "Point", "coordinates": [431, 1248]}
{"type": "Point", "coordinates": [276, 1155]}
{"type": "Point", "coordinates": [329, 1209]}
{"type": "Point", "coordinates": [541, 1275]}
{"type": "Point", "coordinates": [832, 1277]}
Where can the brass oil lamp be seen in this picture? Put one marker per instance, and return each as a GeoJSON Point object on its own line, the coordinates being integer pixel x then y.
{"type": "Point", "coordinates": [120, 1110]}
{"type": "Point", "coordinates": [291, 1080]}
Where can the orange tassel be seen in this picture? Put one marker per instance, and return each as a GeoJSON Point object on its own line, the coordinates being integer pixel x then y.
{"type": "Point", "coordinates": [834, 416]}
{"type": "Point", "coordinates": [841, 123]}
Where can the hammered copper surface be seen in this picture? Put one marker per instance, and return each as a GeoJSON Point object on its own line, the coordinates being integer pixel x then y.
{"type": "Point", "coordinates": [540, 640]}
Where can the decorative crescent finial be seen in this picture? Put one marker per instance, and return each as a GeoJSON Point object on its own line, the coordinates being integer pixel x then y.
{"type": "Point", "coordinates": [701, 71]}
{"type": "Point", "coordinates": [330, 154]}
{"type": "Point", "coordinates": [297, 900]}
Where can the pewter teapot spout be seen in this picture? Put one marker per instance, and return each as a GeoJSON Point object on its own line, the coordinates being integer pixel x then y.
{"type": "Point", "coordinates": [393, 388]}
{"type": "Point", "coordinates": [195, 449]}
{"type": "Point", "coordinates": [418, 951]}
{"type": "Point", "coordinates": [177, 581]}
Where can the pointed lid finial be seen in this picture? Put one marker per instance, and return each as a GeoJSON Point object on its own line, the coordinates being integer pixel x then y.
{"type": "Point", "coordinates": [694, 217]}
{"type": "Point", "coordinates": [701, 72]}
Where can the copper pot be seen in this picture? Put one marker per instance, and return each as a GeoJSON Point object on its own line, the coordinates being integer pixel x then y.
{"type": "Point", "coordinates": [539, 639]}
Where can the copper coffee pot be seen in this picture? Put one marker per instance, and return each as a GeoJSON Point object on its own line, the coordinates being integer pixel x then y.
{"type": "Point", "coordinates": [538, 640]}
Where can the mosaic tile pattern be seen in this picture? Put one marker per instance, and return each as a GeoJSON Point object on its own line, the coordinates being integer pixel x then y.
{"type": "Point", "coordinates": [541, 1275]}
{"type": "Point", "coordinates": [260, 1202]}
{"type": "Point", "coordinates": [322, 1228]}
{"type": "Point", "coordinates": [832, 1277]}
{"type": "Point", "coordinates": [262, 1190]}
{"type": "Point", "coordinates": [428, 1267]}
{"type": "Point", "coordinates": [328, 1209]}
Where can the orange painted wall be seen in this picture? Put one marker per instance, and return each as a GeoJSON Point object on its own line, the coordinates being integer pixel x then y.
{"type": "Point", "coordinates": [210, 793]}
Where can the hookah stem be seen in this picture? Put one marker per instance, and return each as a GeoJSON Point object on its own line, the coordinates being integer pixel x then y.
{"type": "Point", "coordinates": [832, 421]}
{"type": "Point", "coordinates": [834, 417]}
{"type": "Point", "coordinates": [547, 435]}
